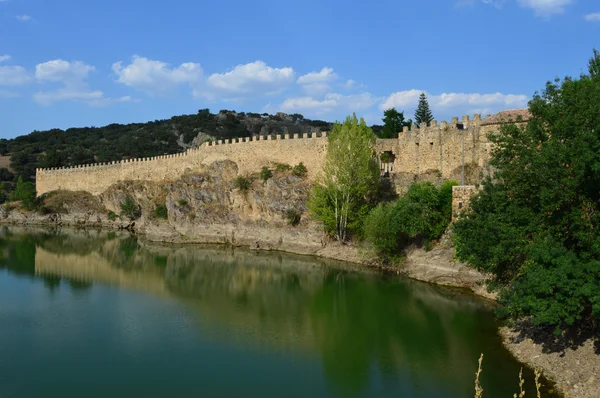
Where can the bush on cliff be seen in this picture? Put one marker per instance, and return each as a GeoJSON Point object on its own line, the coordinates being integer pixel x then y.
{"type": "Point", "coordinates": [343, 194]}
{"type": "Point", "coordinates": [536, 226]}
{"type": "Point", "coordinates": [160, 211]}
{"type": "Point", "coordinates": [265, 174]}
{"type": "Point", "coordinates": [130, 209]}
{"type": "Point", "coordinates": [242, 183]}
{"type": "Point", "coordinates": [24, 192]}
{"type": "Point", "coordinates": [300, 170]}
{"type": "Point", "coordinates": [422, 214]}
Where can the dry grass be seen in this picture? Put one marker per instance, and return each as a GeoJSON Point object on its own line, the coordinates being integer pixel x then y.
{"type": "Point", "coordinates": [5, 163]}
{"type": "Point", "coordinates": [479, 389]}
{"type": "Point", "coordinates": [67, 201]}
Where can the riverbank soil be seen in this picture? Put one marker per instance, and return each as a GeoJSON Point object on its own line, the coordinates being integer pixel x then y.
{"type": "Point", "coordinates": [573, 364]}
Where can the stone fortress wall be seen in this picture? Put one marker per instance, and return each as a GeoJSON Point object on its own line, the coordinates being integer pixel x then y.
{"type": "Point", "coordinates": [437, 147]}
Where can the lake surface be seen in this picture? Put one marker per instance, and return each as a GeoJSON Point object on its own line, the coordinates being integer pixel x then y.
{"type": "Point", "coordinates": [98, 314]}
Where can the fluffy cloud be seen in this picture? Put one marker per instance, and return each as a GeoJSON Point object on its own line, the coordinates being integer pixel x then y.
{"type": "Point", "coordinates": [446, 102]}
{"type": "Point", "coordinates": [325, 75]}
{"type": "Point", "coordinates": [13, 76]}
{"type": "Point", "coordinates": [156, 77]}
{"type": "Point", "coordinates": [4, 58]}
{"type": "Point", "coordinates": [73, 78]}
{"type": "Point", "coordinates": [317, 83]}
{"type": "Point", "coordinates": [594, 17]}
{"type": "Point", "coordinates": [545, 8]}
{"type": "Point", "coordinates": [252, 79]}
{"type": "Point", "coordinates": [58, 70]}
{"type": "Point", "coordinates": [24, 18]}
{"type": "Point", "coordinates": [330, 103]}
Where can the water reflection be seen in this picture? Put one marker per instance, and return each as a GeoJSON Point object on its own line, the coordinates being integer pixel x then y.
{"type": "Point", "coordinates": [371, 333]}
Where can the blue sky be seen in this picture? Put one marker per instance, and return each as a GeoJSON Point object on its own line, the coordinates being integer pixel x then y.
{"type": "Point", "coordinates": [68, 63]}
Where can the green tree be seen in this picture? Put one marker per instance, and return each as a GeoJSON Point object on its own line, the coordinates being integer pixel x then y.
{"type": "Point", "coordinates": [393, 122]}
{"type": "Point", "coordinates": [535, 225]}
{"type": "Point", "coordinates": [423, 114]}
{"type": "Point", "coordinates": [24, 192]}
{"type": "Point", "coordinates": [421, 214]}
{"type": "Point", "coordinates": [342, 195]}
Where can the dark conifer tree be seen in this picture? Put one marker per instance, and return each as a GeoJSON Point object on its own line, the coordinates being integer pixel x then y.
{"type": "Point", "coordinates": [423, 113]}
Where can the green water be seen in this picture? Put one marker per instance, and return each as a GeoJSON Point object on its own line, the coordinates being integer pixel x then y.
{"type": "Point", "coordinates": [97, 314]}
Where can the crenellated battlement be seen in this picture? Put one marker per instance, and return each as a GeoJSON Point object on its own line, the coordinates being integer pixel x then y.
{"type": "Point", "coordinates": [249, 153]}
{"type": "Point", "coordinates": [439, 147]}
{"type": "Point", "coordinates": [455, 124]}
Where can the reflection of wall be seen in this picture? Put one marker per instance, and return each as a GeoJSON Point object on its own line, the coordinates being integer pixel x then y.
{"type": "Point", "coordinates": [93, 267]}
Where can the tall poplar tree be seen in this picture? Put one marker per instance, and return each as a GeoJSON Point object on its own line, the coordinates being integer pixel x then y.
{"type": "Point", "coordinates": [423, 114]}
{"type": "Point", "coordinates": [342, 194]}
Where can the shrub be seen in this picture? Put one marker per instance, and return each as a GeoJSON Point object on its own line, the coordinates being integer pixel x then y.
{"type": "Point", "coordinates": [299, 170]}
{"type": "Point", "coordinates": [292, 216]}
{"type": "Point", "coordinates": [265, 174]}
{"type": "Point", "coordinates": [241, 183]}
{"type": "Point", "coordinates": [112, 216]}
{"type": "Point", "coordinates": [424, 212]}
{"type": "Point", "coordinates": [182, 202]}
{"type": "Point", "coordinates": [160, 211]}
{"type": "Point", "coordinates": [24, 192]}
{"type": "Point", "coordinates": [282, 167]}
{"type": "Point", "coordinates": [130, 209]}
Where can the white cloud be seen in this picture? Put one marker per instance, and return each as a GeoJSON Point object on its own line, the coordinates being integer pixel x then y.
{"type": "Point", "coordinates": [156, 77]}
{"type": "Point", "coordinates": [545, 8]}
{"type": "Point", "coordinates": [73, 77]}
{"type": "Point", "coordinates": [4, 58]}
{"type": "Point", "coordinates": [92, 98]}
{"type": "Point", "coordinates": [24, 18]}
{"type": "Point", "coordinates": [58, 70]}
{"type": "Point", "coordinates": [325, 75]}
{"type": "Point", "coordinates": [594, 17]}
{"type": "Point", "coordinates": [252, 79]}
{"type": "Point", "coordinates": [13, 76]}
{"type": "Point", "coordinates": [350, 84]}
{"type": "Point", "coordinates": [463, 103]}
{"type": "Point", "coordinates": [330, 103]}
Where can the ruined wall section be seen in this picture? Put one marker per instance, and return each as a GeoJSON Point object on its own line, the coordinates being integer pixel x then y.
{"type": "Point", "coordinates": [250, 154]}
{"type": "Point", "coordinates": [439, 147]}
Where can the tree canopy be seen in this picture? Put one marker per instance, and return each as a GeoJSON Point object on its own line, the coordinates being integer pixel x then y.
{"type": "Point", "coordinates": [535, 226]}
{"type": "Point", "coordinates": [393, 122]}
{"type": "Point", "coordinates": [343, 194]}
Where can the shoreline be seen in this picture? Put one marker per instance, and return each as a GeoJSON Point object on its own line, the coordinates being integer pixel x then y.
{"type": "Point", "coordinates": [437, 267]}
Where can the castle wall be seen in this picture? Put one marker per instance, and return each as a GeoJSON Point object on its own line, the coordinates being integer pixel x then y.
{"type": "Point", "coordinates": [250, 154]}
{"type": "Point", "coordinates": [437, 147]}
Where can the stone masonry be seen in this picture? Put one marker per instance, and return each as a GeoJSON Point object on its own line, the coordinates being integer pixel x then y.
{"type": "Point", "coordinates": [437, 147]}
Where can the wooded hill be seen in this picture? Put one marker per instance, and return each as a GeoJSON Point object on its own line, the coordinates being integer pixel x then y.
{"type": "Point", "coordinates": [58, 148]}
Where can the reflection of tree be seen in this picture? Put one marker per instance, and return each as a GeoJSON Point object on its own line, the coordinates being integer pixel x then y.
{"type": "Point", "coordinates": [410, 334]}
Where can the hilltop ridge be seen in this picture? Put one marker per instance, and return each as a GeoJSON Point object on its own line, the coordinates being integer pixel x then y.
{"type": "Point", "coordinates": [74, 146]}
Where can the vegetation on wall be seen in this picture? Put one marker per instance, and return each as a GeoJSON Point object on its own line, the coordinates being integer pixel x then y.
{"type": "Point", "coordinates": [342, 195]}
{"type": "Point", "coordinates": [535, 227]}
